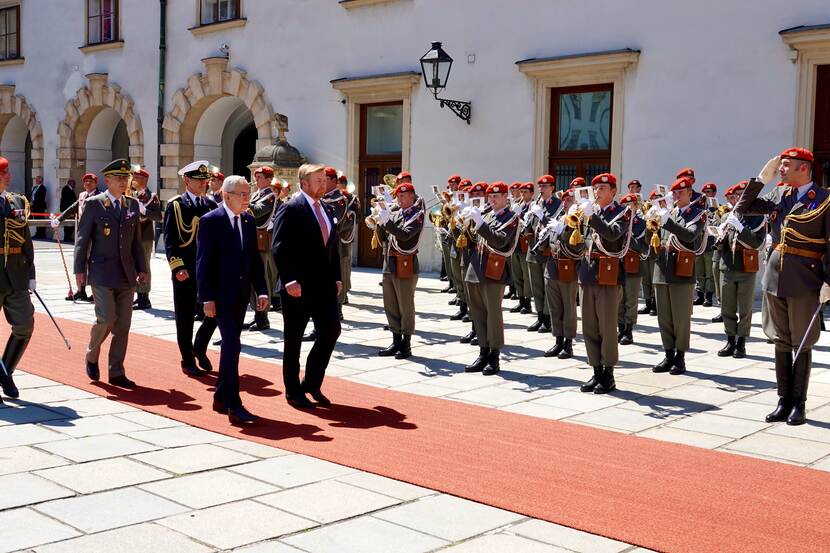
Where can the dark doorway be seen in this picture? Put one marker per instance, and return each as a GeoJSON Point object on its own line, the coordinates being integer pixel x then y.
{"type": "Point", "coordinates": [27, 164]}
{"type": "Point", "coordinates": [821, 127]}
{"type": "Point", "coordinates": [244, 150]}
{"type": "Point", "coordinates": [120, 141]}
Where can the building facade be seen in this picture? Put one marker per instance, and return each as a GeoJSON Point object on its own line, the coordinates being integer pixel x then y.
{"type": "Point", "coordinates": [568, 87]}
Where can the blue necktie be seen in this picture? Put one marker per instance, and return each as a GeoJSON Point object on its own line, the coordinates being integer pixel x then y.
{"type": "Point", "coordinates": [236, 230]}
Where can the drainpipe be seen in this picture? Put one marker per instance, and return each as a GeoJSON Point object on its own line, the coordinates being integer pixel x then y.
{"type": "Point", "coordinates": [162, 71]}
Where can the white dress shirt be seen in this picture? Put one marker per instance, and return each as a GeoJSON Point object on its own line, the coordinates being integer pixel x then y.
{"type": "Point", "coordinates": [231, 216]}
{"type": "Point", "coordinates": [311, 201]}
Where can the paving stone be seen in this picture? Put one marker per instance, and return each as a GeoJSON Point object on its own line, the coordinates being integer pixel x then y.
{"type": "Point", "coordinates": [106, 474]}
{"type": "Point", "coordinates": [27, 434]}
{"type": "Point", "coordinates": [193, 458]}
{"type": "Point", "coordinates": [26, 459]}
{"type": "Point", "coordinates": [388, 377]}
{"type": "Point", "coordinates": [568, 538]}
{"type": "Point", "coordinates": [620, 419]}
{"type": "Point", "coordinates": [210, 488]}
{"type": "Point", "coordinates": [93, 426]}
{"type": "Point", "coordinates": [93, 448]}
{"type": "Point", "coordinates": [292, 470]}
{"type": "Point", "coordinates": [52, 394]}
{"type": "Point", "coordinates": [25, 528]}
{"type": "Point", "coordinates": [91, 407]}
{"type": "Point", "coordinates": [269, 546]}
{"type": "Point", "coordinates": [148, 420]}
{"type": "Point", "coordinates": [364, 535]}
{"type": "Point", "coordinates": [782, 447]}
{"type": "Point", "coordinates": [540, 410]}
{"type": "Point", "coordinates": [423, 389]}
{"type": "Point", "coordinates": [328, 501]}
{"type": "Point", "coordinates": [501, 543]}
{"type": "Point", "coordinates": [386, 486]}
{"type": "Point", "coordinates": [177, 436]}
{"type": "Point", "coordinates": [26, 381]}
{"type": "Point", "coordinates": [112, 509]}
{"type": "Point", "coordinates": [745, 410]}
{"type": "Point", "coordinates": [494, 396]}
{"type": "Point", "coordinates": [23, 413]}
{"type": "Point", "coordinates": [577, 401]}
{"type": "Point", "coordinates": [215, 525]}
{"type": "Point", "coordinates": [816, 431]}
{"type": "Point", "coordinates": [450, 518]}
{"type": "Point", "coordinates": [721, 426]}
{"type": "Point", "coordinates": [253, 448]}
{"type": "Point", "coordinates": [688, 437]}
{"type": "Point", "coordinates": [140, 538]}
{"type": "Point", "coordinates": [23, 489]}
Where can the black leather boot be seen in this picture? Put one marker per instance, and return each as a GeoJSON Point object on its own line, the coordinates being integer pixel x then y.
{"type": "Point", "coordinates": [557, 347]}
{"type": "Point", "coordinates": [567, 349]}
{"type": "Point", "coordinates": [518, 307]}
{"type": "Point", "coordinates": [740, 348]}
{"type": "Point", "coordinates": [493, 363]}
{"type": "Point", "coordinates": [708, 301]}
{"type": "Point", "coordinates": [665, 365]}
{"type": "Point", "coordinates": [511, 291]}
{"type": "Point", "coordinates": [717, 318]}
{"type": "Point", "coordinates": [453, 301]}
{"type": "Point", "coordinates": [679, 363]}
{"type": "Point", "coordinates": [653, 310]}
{"type": "Point", "coordinates": [606, 381]}
{"type": "Point", "coordinates": [393, 347]}
{"type": "Point", "coordinates": [593, 382]}
{"type": "Point", "coordinates": [526, 308]}
{"type": "Point", "coordinates": [620, 329]}
{"type": "Point", "coordinates": [11, 356]}
{"type": "Point", "coordinates": [405, 348]}
{"type": "Point", "coordinates": [698, 298]}
{"type": "Point", "coordinates": [480, 362]}
{"type": "Point", "coordinates": [537, 325]}
{"type": "Point", "coordinates": [142, 302]}
{"type": "Point", "coordinates": [801, 379]}
{"type": "Point", "coordinates": [469, 337]}
{"type": "Point", "coordinates": [627, 337]}
{"type": "Point", "coordinates": [784, 379]}
{"type": "Point", "coordinates": [261, 322]}
{"type": "Point", "coordinates": [545, 324]}
{"type": "Point", "coordinates": [729, 349]}
{"type": "Point", "coordinates": [462, 311]}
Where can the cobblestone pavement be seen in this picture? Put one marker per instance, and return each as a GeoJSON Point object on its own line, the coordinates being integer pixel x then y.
{"type": "Point", "coordinates": [83, 473]}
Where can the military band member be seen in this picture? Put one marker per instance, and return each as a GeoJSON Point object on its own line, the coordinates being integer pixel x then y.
{"type": "Point", "coordinates": [634, 265]}
{"type": "Point", "coordinates": [519, 269]}
{"type": "Point", "coordinates": [634, 187]}
{"type": "Point", "coordinates": [399, 232]}
{"type": "Point", "coordinates": [263, 206]}
{"type": "Point", "coordinates": [453, 184]}
{"type": "Point", "coordinates": [180, 226]}
{"type": "Point", "coordinates": [515, 200]}
{"type": "Point", "coordinates": [601, 276]}
{"type": "Point", "coordinates": [561, 283]}
{"type": "Point", "coordinates": [150, 213]}
{"type": "Point", "coordinates": [682, 230]}
{"type": "Point", "coordinates": [488, 273]}
{"type": "Point", "coordinates": [456, 259]}
{"type": "Point", "coordinates": [797, 273]}
{"type": "Point", "coordinates": [649, 302]}
{"type": "Point", "coordinates": [741, 237]}
{"type": "Point", "coordinates": [74, 211]}
{"type": "Point", "coordinates": [108, 249]}
{"type": "Point", "coordinates": [17, 277]}
{"type": "Point", "coordinates": [347, 230]}
{"type": "Point", "coordinates": [536, 219]}
{"type": "Point", "coordinates": [704, 275]}
{"type": "Point", "coordinates": [465, 244]}
{"type": "Point", "coordinates": [731, 196]}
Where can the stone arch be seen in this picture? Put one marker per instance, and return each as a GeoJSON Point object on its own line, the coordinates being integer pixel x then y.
{"type": "Point", "coordinates": [17, 116]}
{"type": "Point", "coordinates": [99, 96]}
{"type": "Point", "coordinates": [190, 103]}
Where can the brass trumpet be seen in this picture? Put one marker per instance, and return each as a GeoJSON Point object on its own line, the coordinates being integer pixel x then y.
{"type": "Point", "coordinates": [574, 221]}
{"type": "Point", "coordinates": [723, 209]}
{"type": "Point", "coordinates": [653, 226]}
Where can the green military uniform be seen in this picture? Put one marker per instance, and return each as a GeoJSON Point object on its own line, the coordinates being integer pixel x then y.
{"type": "Point", "coordinates": [147, 230]}
{"type": "Point", "coordinates": [400, 236]}
{"type": "Point", "coordinates": [17, 276]}
{"type": "Point", "coordinates": [497, 237]}
{"type": "Point", "coordinates": [519, 270]}
{"type": "Point", "coordinates": [738, 284]}
{"type": "Point", "coordinates": [533, 225]}
{"type": "Point", "coordinates": [561, 287]}
{"type": "Point", "coordinates": [681, 238]}
{"type": "Point", "coordinates": [263, 206]}
{"type": "Point", "coordinates": [638, 251]}
{"type": "Point", "coordinates": [465, 243]}
{"type": "Point", "coordinates": [344, 209]}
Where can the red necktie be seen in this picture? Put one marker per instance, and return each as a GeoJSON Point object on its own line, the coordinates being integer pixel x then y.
{"type": "Point", "coordinates": [323, 229]}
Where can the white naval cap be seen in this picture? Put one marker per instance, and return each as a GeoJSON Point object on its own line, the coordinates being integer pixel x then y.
{"type": "Point", "coordinates": [196, 170]}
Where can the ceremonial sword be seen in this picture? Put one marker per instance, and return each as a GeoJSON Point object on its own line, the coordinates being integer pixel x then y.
{"type": "Point", "coordinates": [65, 341]}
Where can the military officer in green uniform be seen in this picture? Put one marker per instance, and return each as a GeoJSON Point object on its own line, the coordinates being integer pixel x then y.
{"type": "Point", "coordinates": [704, 275]}
{"type": "Point", "coordinates": [488, 273]}
{"type": "Point", "coordinates": [682, 233]}
{"type": "Point", "coordinates": [108, 249]}
{"type": "Point", "coordinates": [150, 211]}
{"type": "Point", "coordinates": [263, 206]}
{"type": "Point", "coordinates": [519, 269]}
{"type": "Point", "coordinates": [453, 183]}
{"type": "Point", "coordinates": [465, 244]}
{"type": "Point", "coordinates": [457, 260]}
{"type": "Point", "coordinates": [649, 303]}
{"type": "Point", "coordinates": [741, 237]}
{"type": "Point", "coordinates": [399, 231]}
{"type": "Point", "coordinates": [634, 265]}
{"type": "Point", "coordinates": [17, 277]}
{"type": "Point", "coordinates": [538, 215]}
{"type": "Point", "coordinates": [346, 230]}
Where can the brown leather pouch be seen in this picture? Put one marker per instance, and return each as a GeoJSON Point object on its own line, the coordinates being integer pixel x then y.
{"type": "Point", "coordinates": [684, 264]}
{"type": "Point", "coordinates": [495, 266]}
{"type": "Point", "coordinates": [608, 269]}
{"type": "Point", "coordinates": [524, 243]}
{"type": "Point", "coordinates": [632, 263]}
{"type": "Point", "coordinates": [263, 240]}
{"type": "Point", "coordinates": [750, 259]}
{"type": "Point", "coordinates": [566, 268]}
{"type": "Point", "coordinates": [404, 266]}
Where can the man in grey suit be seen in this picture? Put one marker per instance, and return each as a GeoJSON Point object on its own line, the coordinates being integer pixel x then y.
{"type": "Point", "coordinates": [108, 249]}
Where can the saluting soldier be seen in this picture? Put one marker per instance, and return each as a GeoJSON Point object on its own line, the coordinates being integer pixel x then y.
{"type": "Point", "coordinates": [149, 207]}
{"type": "Point", "coordinates": [682, 230]}
{"type": "Point", "coordinates": [180, 226]}
{"type": "Point", "coordinates": [535, 221]}
{"type": "Point", "coordinates": [399, 232]}
{"type": "Point", "coordinates": [519, 269]}
{"type": "Point", "coordinates": [561, 284]}
{"type": "Point", "coordinates": [797, 273]}
{"type": "Point", "coordinates": [74, 211]}
{"type": "Point", "coordinates": [704, 275]}
{"type": "Point", "coordinates": [488, 273]}
{"type": "Point", "coordinates": [649, 301]}
{"type": "Point", "coordinates": [601, 276]}
{"type": "Point", "coordinates": [741, 238]}
{"type": "Point", "coordinates": [634, 265]}
{"type": "Point", "coordinates": [263, 207]}
{"type": "Point", "coordinates": [347, 230]}
{"type": "Point", "coordinates": [108, 249]}
{"type": "Point", "coordinates": [17, 277]}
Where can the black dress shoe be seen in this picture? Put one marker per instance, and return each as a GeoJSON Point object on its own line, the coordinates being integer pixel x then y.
{"type": "Point", "coordinates": [241, 416]}
{"type": "Point", "coordinates": [717, 318]}
{"type": "Point", "coordinates": [7, 383]}
{"type": "Point", "coordinates": [468, 338]}
{"type": "Point", "coordinates": [740, 348]}
{"type": "Point", "coordinates": [219, 407]}
{"type": "Point", "coordinates": [567, 349]}
{"type": "Point", "coordinates": [666, 364]}
{"type": "Point", "coordinates": [92, 371]}
{"type": "Point", "coordinates": [190, 369]}
{"type": "Point", "coordinates": [259, 326]}
{"type": "Point", "coordinates": [679, 363]}
{"type": "Point", "coordinates": [311, 336]}
{"type": "Point", "coordinates": [320, 398]}
{"type": "Point", "coordinates": [299, 402]}
{"type": "Point", "coordinates": [557, 348]}
{"type": "Point", "coordinates": [591, 384]}
{"type": "Point", "coordinates": [466, 319]}
{"type": "Point", "coordinates": [480, 362]}
{"type": "Point", "coordinates": [122, 382]}
{"type": "Point", "coordinates": [798, 415]}
{"type": "Point", "coordinates": [782, 410]}
{"type": "Point", "coordinates": [204, 362]}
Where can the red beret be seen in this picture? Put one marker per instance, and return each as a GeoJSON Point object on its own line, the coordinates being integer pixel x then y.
{"type": "Point", "coordinates": [634, 181]}
{"type": "Point", "coordinates": [709, 186]}
{"type": "Point", "coordinates": [629, 198]}
{"type": "Point", "coordinates": [90, 176]}
{"type": "Point", "coordinates": [653, 194]}
{"type": "Point", "coordinates": [802, 154]}
{"type": "Point", "coordinates": [578, 182]}
{"type": "Point", "coordinates": [681, 183]}
{"type": "Point", "coordinates": [527, 186]}
{"type": "Point", "coordinates": [737, 188]}
{"type": "Point", "coordinates": [330, 172]}
{"type": "Point", "coordinates": [219, 175]}
{"type": "Point", "coordinates": [465, 187]}
{"type": "Point", "coordinates": [604, 178]}
{"type": "Point", "coordinates": [498, 187]}
{"type": "Point", "coordinates": [454, 178]}
{"type": "Point", "coordinates": [479, 187]}
{"type": "Point", "coordinates": [4, 165]}
{"type": "Point", "coordinates": [142, 173]}
{"type": "Point", "coordinates": [685, 172]}
{"type": "Point", "coordinates": [264, 170]}
{"type": "Point", "coordinates": [403, 175]}
{"type": "Point", "coordinates": [568, 192]}
{"type": "Point", "coordinates": [404, 187]}
{"type": "Point", "coordinates": [465, 182]}
{"type": "Point", "coordinates": [516, 186]}
{"type": "Point", "coordinates": [546, 179]}
{"type": "Point", "coordinates": [342, 178]}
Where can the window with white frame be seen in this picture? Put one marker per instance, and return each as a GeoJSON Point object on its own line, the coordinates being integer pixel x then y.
{"type": "Point", "coordinates": [216, 11]}
{"type": "Point", "coordinates": [102, 21]}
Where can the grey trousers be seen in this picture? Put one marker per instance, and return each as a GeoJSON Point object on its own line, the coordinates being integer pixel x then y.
{"type": "Point", "coordinates": [147, 245]}
{"type": "Point", "coordinates": [705, 281]}
{"type": "Point", "coordinates": [113, 314]}
{"type": "Point", "coordinates": [458, 277]}
{"type": "Point", "coordinates": [599, 315]}
{"type": "Point", "coordinates": [628, 305]}
{"type": "Point", "coordinates": [537, 285]}
{"type": "Point", "coordinates": [737, 295]}
{"type": "Point", "coordinates": [561, 299]}
{"type": "Point", "coordinates": [485, 311]}
{"type": "Point", "coordinates": [270, 278]}
{"type": "Point", "coordinates": [345, 271]}
{"type": "Point", "coordinates": [648, 274]}
{"type": "Point", "coordinates": [517, 276]}
{"type": "Point", "coordinates": [766, 319]}
{"type": "Point", "coordinates": [674, 314]}
{"type": "Point", "coordinates": [399, 303]}
{"type": "Point", "coordinates": [791, 316]}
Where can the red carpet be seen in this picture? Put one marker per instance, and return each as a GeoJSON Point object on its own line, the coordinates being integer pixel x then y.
{"type": "Point", "coordinates": [659, 495]}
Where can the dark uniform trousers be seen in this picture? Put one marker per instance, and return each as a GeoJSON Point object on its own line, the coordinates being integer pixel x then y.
{"type": "Point", "coordinates": [737, 291]}
{"type": "Point", "coordinates": [458, 270]}
{"type": "Point", "coordinates": [147, 246]}
{"type": "Point", "coordinates": [647, 279]}
{"type": "Point", "coordinates": [717, 274]}
{"type": "Point", "coordinates": [485, 305]}
{"type": "Point", "coordinates": [703, 273]}
{"type": "Point", "coordinates": [184, 299]}
{"type": "Point", "coordinates": [17, 306]}
{"type": "Point", "coordinates": [561, 300]}
{"type": "Point", "coordinates": [229, 319]}
{"type": "Point", "coordinates": [521, 274]}
{"type": "Point", "coordinates": [791, 317]}
{"type": "Point", "coordinates": [536, 273]}
{"type": "Point", "coordinates": [674, 313]}
{"type": "Point", "coordinates": [113, 314]}
{"type": "Point", "coordinates": [630, 294]}
{"type": "Point", "coordinates": [345, 270]}
{"type": "Point", "coordinates": [599, 316]}
{"type": "Point", "coordinates": [399, 303]}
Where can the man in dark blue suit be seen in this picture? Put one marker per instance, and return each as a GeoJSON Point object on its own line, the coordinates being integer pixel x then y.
{"type": "Point", "coordinates": [305, 249]}
{"type": "Point", "coordinates": [227, 265]}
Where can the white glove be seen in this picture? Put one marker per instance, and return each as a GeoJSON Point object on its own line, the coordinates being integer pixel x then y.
{"type": "Point", "coordinates": [53, 222]}
{"type": "Point", "coordinates": [768, 241]}
{"type": "Point", "coordinates": [734, 222]}
{"type": "Point", "coordinates": [722, 229]}
{"type": "Point", "coordinates": [142, 208]}
{"type": "Point", "coordinates": [824, 293]}
{"type": "Point", "coordinates": [572, 209]}
{"type": "Point", "coordinates": [537, 210]}
{"type": "Point", "coordinates": [770, 170]}
{"type": "Point", "coordinates": [465, 213]}
{"type": "Point", "coordinates": [475, 214]}
{"type": "Point", "coordinates": [587, 208]}
{"type": "Point", "coordinates": [559, 226]}
{"type": "Point", "coordinates": [664, 216]}
{"type": "Point", "coordinates": [388, 197]}
{"type": "Point", "coordinates": [383, 216]}
{"type": "Point", "coordinates": [33, 284]}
